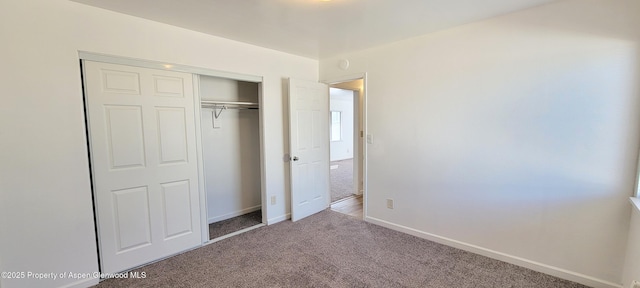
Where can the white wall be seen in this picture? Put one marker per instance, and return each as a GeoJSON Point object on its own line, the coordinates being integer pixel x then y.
{"type": "Point", "coordinates": [231, 152]}
{"type": "Point", "coordinates": [342, 101]}
{"type": "Point", "coordinates": [632, 262]}
{"type": "Point", "coordinates": [514, 137]}
{"type": "Point", "coordinates": [46, 218]}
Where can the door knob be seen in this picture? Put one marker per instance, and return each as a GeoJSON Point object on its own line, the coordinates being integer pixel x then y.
{"type": "Point", "coordinates": [295, 158]}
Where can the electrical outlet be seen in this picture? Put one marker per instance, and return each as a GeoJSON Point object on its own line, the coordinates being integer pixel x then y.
{"type": "Point", "coordinates": [390, 203]}
{"type": "Point", "coordinates": [635, 284]}
{"type": "Point", "coordinates": [273, 200]}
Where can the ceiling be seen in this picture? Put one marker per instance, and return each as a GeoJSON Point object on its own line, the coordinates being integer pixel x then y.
{"type": "Point", "coordinates": [315, 28]}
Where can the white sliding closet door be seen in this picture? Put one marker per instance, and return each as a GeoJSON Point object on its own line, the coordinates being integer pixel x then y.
{"type": "Point", "coordinates": [143, 151]}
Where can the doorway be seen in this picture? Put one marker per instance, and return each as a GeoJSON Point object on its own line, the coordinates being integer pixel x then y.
{"type": "Point", "coordinates": [347, 147]}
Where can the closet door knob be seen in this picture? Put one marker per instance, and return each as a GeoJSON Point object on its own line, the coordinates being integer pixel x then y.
{"type": "Point", "coordinates": [295, 158]}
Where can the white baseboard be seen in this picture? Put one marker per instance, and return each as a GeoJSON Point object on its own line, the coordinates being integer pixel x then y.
{"type": "Point", "coordinates": [536, 266]}
{"type": "Point", "coordinates": [83, 283]}
{"type": "Point", "coordinates": [234, 214]}
{"type": "Point", "coordinates": [279, 219]}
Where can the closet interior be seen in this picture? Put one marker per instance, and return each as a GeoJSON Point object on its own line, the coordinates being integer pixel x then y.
{"type": "Point", "coordinates": [230, 124]}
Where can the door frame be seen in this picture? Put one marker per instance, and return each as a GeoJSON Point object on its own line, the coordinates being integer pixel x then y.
{"type": "Point", "coordinates": [363, 124]}
{"type": "Point", "coordinates": [197, 72]}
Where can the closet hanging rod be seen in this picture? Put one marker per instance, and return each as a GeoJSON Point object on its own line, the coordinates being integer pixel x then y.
{"type": "Point", "coordinates": [225, 107]}
{"type": "Point", "coordinates": [210, 102]}
{"type": "Point", "coordinates": [219, 106]}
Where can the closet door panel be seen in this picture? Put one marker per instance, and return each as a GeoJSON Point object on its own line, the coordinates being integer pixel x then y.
{"type": "Point", "coordinates": [142, 140]}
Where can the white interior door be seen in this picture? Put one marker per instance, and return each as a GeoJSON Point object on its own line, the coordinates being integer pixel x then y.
{"type": "Point", "coordinates": [143, 151]}
{"type": "Point", "coordinates": [309, 144]}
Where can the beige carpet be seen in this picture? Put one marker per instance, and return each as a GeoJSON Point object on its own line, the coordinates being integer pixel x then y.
{"type": "Point", "coordinates": [341, 179]}
{"type": "Point", "coordinates": [330, 249]}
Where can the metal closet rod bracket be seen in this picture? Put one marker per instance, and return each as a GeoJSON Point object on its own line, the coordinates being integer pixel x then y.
{"type": "Point", "coordinates": [216, 112]}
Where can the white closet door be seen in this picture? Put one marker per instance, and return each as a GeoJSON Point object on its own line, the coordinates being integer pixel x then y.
{"type": "Point", "coordinates": [309, 142]}
{"type": "Point", "coordinates": [143, 151]}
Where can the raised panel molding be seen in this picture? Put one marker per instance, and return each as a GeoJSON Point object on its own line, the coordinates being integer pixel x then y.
{"type": "Point", "coordinates": [168, 86]}
{"type": "Point", "coordinates": [304, 177]}
{"type": "Point", "coordinates": [315, 129]}
{"type": "Point", "coordinates": [132, 225]}
{"type": "Point", "coordinates": [177, 208]}
{"type": "Point", "coordinates": [172, 135]}
{"type": "Point", "coordinates": [316, 166]}
{"type": "Point", "coordinates": [120, 82]}
{"type": "Point", "coordinates": [125, 136]}
{"type": "Point", "coordinates": [304, 135]}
